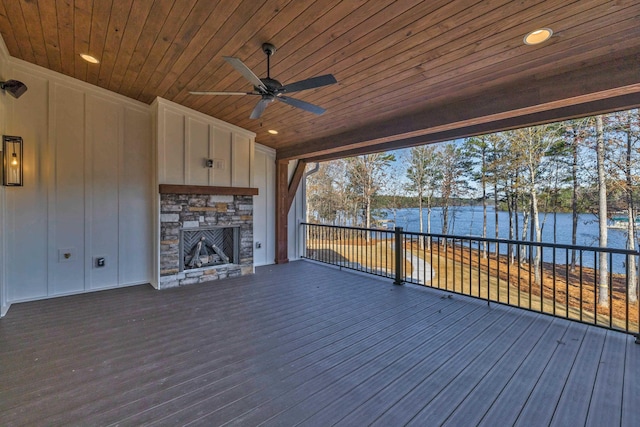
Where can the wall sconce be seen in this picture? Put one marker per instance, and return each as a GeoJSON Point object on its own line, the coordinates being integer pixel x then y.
{"type": "Point", "coordinates": [14, 88]}
{"type": "Point", "coordinates": [12, 156]}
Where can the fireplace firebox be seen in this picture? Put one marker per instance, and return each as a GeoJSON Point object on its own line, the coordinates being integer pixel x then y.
{"type": "Point", "coordinates": [209, 246]}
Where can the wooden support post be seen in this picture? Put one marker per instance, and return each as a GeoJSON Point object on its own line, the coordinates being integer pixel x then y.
{"type": "Point", "coordinates": [399, 236]}
{"type": "Point", "coordinates": [295, 182]}
{"type": "Point", "coordinates": [285, 193]}
{"type": "Point", "coordinates": [282, 211]}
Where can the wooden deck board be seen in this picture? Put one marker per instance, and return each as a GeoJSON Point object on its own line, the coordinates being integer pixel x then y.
{"type": "Point", "coordinates": [548, 388]}
{"type": "Point", "coordinates": [404, 410]}
{"type": "Point", "coordinates": [348, 399]}
{"type": "Point", "coordinates": [290, 408]}
{"type": "Point", "coordinates": [631, 390]}
{"type": "Point", "coordinates": [509, 402]}
{"type": "Point", "coordinates": [605, 407]}
{"type": "Point", "coordinates": [573, 406]}
{"type": "Point", "coordinates": [442, 399]}
{"type": "Point", "coordinates": [471, 410]}
{"type": "Point", "coordinates": [271, 368]}
{"type": "Point", "coordinates": [305, 343]}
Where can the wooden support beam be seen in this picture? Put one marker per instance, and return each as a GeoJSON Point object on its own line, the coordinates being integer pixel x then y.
{"type": "Point", "coordinates": [588, 85]}
{"type": "Point", "coordinates": [295, 182]}
{"type": "Point", "coordinates": [285, 193]}
{"type": "Point", "coordinates": [623, 102]}
{"type": "Point", "coordinates": [282, 211]}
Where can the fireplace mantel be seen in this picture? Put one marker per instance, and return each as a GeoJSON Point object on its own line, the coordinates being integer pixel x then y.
{"type": "Point", "coordinates": [206, 189]}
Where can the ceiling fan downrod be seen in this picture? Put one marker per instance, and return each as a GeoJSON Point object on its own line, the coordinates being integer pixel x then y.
{"type": "Point", "coordinates": [269, 50]}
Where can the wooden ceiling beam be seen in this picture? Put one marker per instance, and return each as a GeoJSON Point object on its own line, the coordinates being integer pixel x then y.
{"type": "Point", "coordinates": [609, 78]}
{"type": "Point", "coordinates": [623, 102]}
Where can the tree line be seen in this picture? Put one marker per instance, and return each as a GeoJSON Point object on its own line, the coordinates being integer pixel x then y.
{"type": "Point", "coordinates": [583, 165]}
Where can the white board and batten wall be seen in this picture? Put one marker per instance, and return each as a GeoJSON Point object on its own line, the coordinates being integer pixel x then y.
{"type": "Point", "coordinates": [186, 139]}
{"type": "Point", "coordinates": [264, 206]}
{"type": "Point", "coordinates": [86, 193]}
{"type": "Point", "coordinates": [91, 171]}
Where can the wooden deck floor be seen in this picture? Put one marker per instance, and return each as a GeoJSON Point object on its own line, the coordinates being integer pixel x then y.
{"type": "Point", "coordinates": [307, 344]}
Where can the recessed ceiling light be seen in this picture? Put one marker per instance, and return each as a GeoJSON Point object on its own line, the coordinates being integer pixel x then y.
{"type": "Point", "coordinates": [538, 36]}
{"type": "Point", "coordinates": [273, 132]}
{"type": "Point", "coordinates": [89, 58]}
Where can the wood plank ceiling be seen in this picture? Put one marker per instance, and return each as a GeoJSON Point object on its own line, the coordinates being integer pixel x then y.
{"type": "Point", "coordinates": [408, 71]}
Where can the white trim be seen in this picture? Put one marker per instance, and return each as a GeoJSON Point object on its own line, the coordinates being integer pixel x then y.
{"type": "Point", "coordinates": [4, 52]}
{"type": "Point", "coordinates": [29, 68]}
{"type": "Point", "coordinates": [155, 198]}
{"type": "Point", "coordinates": [186, 159]}
{"type": "Point", "coordinates": [252, 160]}
{"type": "Point", "coordinates": [181, 109]}
{"type": "Point", "coordinates": [4, 294]}
{"type": "Point", "coordinates": [265, 150]}
{"type": "Point", "coordinates": [88, 290]}
{"type": "Point", "coordinates": [51, 187]}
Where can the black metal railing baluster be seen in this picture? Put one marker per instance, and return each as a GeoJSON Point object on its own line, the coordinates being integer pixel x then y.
{"type": "Point", "coordinates": [566, 281]}
{"type": "Point", "coordinates": [610, 289]}
{"type": "Point", "coordinates": [369, 250]}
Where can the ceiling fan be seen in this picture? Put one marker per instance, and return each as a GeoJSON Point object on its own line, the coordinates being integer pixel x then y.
{"type": "Point", "coordinates": [270, 89]}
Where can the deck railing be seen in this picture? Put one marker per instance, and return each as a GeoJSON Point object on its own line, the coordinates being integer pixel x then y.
{"type": "Point", "coordinates": [561, 280]}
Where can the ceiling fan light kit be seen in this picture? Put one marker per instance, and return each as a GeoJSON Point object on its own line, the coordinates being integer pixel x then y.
{"type": "Point", "coordinates": [271, 89]}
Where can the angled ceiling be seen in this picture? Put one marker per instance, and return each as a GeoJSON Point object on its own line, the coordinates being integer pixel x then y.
{"type": "Point", "coordinates": [408, 72]}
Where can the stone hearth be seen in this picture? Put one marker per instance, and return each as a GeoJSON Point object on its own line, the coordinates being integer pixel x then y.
{"type": "Point", "coordinates": [192, 211]}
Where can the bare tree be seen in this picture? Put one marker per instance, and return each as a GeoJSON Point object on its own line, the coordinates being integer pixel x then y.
{"type": "Point", "coordinates": [323, 201]}
{"type": "Point", "coordinates": [603, 284]}
{"type": "Point", "coordinates": [631, 214]}
{"type": "Point", "coordinates": [532, 146]}
{"type": "Point", "coordinates": [424, 177]}
{"type": "Point", "coordinates": [576, 133]}
{"type": "Point", "coordinates": [365, 174]}
{"type": "Point", "coordinates": [625, 128]}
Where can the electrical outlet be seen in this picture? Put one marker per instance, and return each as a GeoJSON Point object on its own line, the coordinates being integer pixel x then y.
{"type": "Point", "coordinates": [258, 245]}
{"type": "Point", "coordinates": [100, 262]}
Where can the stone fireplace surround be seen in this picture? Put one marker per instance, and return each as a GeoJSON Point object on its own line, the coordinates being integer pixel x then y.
{"type": "Point", "coordinates": [189, 207]}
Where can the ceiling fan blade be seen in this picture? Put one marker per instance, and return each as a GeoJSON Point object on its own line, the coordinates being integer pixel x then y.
{"type": "Point", "coordinates": [301, 104]}
{"type": "Point", "coordinates": [245, 71]}
{"type": "Point", "coordinates": [221, 93]}
{"type": "Point", "coordinates": [311, 83]}
{"type": "Point", "coordinates": [259, 108]}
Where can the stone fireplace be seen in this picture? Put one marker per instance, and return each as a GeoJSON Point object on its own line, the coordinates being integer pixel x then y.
{"type": "Point", "coordinates": [204, 236]}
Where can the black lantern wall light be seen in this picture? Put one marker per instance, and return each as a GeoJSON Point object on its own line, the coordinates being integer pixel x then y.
{"type": "Point", "coordinates": [12, 145]}
{"type": "Point", "coordinates": [12, 155]}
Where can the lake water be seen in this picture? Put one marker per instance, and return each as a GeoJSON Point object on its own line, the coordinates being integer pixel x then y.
{"type": "Point", "coordinates": [467, 221]}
